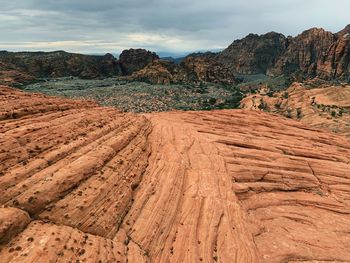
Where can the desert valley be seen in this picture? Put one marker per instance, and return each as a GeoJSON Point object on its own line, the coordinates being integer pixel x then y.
{"type": "Point", "coordinates": [241, 155]}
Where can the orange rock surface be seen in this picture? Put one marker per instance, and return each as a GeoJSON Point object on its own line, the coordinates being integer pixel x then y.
{"type": "Point", "coordinates": [325, 108]}
{"type": "Point", "coordinates": [83, 183]}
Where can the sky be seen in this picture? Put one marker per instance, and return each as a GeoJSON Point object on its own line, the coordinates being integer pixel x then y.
{"type": "Point", "coordinates": [174, 26]}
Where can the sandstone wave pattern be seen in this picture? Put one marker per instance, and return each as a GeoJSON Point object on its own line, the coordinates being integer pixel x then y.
{"type": "Point", "coordinates": [84, 183]}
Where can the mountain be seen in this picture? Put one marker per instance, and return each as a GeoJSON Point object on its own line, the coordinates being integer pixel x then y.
{"type": "Point", "coordinates": [303, 52]}
{"type": "Point", "coordinates": [132, 60]}
{"type": "Point", "coordinates": [61, 64]}
{"type": "Point", "coordinates": [85, 183]}
{"type": "Point", "coordinates": [313, 53]}
{"type": "Point", "coordinates": [253, 54]}
{"type": "Point", "coordinates": [195, 69]}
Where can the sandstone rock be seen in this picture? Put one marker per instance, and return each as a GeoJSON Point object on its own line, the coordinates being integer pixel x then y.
{"type": "Point", "coordinates": [132, 60]}
{"type": "Point", "coordinates": [335, 63]}
{"type": "Point", "coordinates": [226, 186]}
{"type": "Point", "coordinates": [161, 72]}
{"type": "Point", "coordinates": [193, 69]}
{"type": "Point", "coordinates": [325, 107]}
{"type": "Point", "coordinates": [61, 64]}
{"type": "Point", "coordinates": [204, 67]}
{"type": "Point", "coordinates": [303, 52]}
{"type": "Point", "coordinates": [253, 54]}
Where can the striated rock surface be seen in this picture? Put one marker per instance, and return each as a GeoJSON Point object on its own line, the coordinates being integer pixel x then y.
{"type": "Point", "coordinates": [61, 64]}
{"type": "Point", "coordinates": [85, 183]}
{"type": "Point", "coordinates": [132, 60]}
{"type": "Point", "coordinates": [253, 54]}
{"type": "Point", "coordinates": [303, 53]}
{"type": "Point", "coordinates": [325, 107]}
{"type": "Point", "coordinates": [335, 63]}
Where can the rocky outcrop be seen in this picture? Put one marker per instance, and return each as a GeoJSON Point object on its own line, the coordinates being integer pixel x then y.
{"type": "Point", "coordinates": [325, 107]}
{"type": "Point", "coordinates": [313, 53]}
{"type": "Point", "coordinates": [335, 62]}
{"type": "Point", "coordinates": [61, 64]}
{"type": "Point", "coordinates": [204, 67]}
{"type": "Point", "coordinates": [303, 53]}
{"type": "Point", "coordinates": [12, 76]}
{"type": "Point", "coordinates": [132, 60]}
{"type": "Point", "coordinates": [253, 54]}
{"type": "Point", "coordinates": [161, 72]}
{"type": "Point", "coordinates": [83, 183]}
{"type": "Point", "coordinates": [195, 69]}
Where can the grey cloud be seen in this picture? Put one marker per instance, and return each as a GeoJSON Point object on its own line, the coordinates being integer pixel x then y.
{"type": "Point", "coordinates": [167, 25]}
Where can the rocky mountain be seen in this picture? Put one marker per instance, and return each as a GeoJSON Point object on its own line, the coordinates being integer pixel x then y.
{"type": "Point", "coordinates": [303, 53]}
{"type": "Point", "coordinates": [313, 53]}
{"type": "Point", "coordinates": [161, 72]}
{"type": "Point", "coordinates": [195, 68]}
{"type": "Point", "coordinates": [253, 54]}
{"type": "Point", "coordinates": [132, 60]}
{"type": "Point", "coordinates": [335, 62]}
{"type": "Point", "coordinates": [84, 183]}
{"type": "Point", "coordinates": [61, 64]}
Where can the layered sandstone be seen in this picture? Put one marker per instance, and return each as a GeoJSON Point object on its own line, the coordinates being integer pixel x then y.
{"type": "Point", "coordinates": [83, 183]}
{"type": "Point", "coordinates": [326, 107]}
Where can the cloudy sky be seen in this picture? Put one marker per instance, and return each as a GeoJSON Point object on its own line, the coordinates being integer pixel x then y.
{"type": "Point", "coordinates": [99, 26]}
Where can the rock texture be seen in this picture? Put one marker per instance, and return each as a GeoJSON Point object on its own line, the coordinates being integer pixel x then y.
{"type": "Point", "coordinates": [204, 68]}
{"type": "Point", "coordinates": [132, 60]}
{"type": "Point", "coordinates": [253, 54]}
{"type": "Point", "coordinates": [325, 107]}
{"type": "Point", "coordinates": [335, 63]}
{"type": "Point", "coordinates": [61, 64]}
{"type": "Point", "coordinates": [303, 53]}
{"type": "Point", "coordinates": [12, 76]}
{"type": "Point", "coordinates": [161, 72]}
{"type": "Point", "coordinates": [83, 183]}
{"type": "Point", "coordinates": [195, 68]}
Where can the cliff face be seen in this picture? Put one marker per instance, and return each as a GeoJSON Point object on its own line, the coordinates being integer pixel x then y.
{"type": "Point", "coordinates": [61, 64]}
{"type": "Point", "coordinates": [253, 54]}
{"type": "Point", "coordinates": [335, 63]}
{"type": "Point", "coordinates": [303, 53]}
{"type": "Point", "coordinates": [315, 52]}
{"type": "Point", "coordinates": [132, 60]}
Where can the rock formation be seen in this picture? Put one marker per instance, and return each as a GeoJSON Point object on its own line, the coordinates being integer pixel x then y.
{"type": "Point", "coordinates": [303, 53]}
{"type": "Point", "coordinates": [195, 68]}
{"type": "Point", "coordinates": [253, 54]}
{"type": "Point", "coordinates": [204, 68]}
{"type": "Point", "coordinates": [132, 60]}
{"type": "Point", "coordinates": [61, 64]}
{"type": "Point", "coordinates": [335, 63]}
{"type": "Point", "coordinates": [84, 183]}
{"type": "Point", "coordinates": [325, 107]}
{"type": "Point", "coordinates": [161, 72]}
